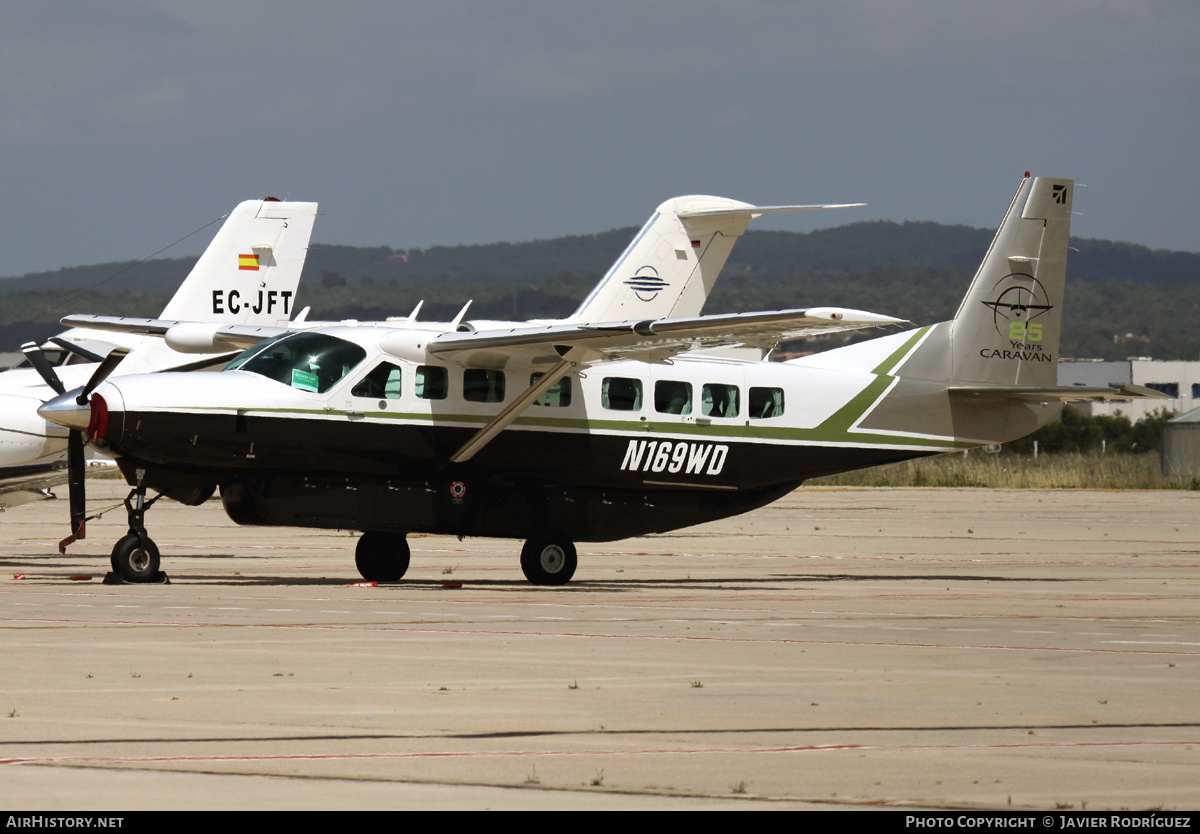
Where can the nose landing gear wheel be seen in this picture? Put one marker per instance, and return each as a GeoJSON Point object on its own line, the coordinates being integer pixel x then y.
{"type": "Point", "coordinates": [382, 557]}
{"type": "Point", "coordinates": [135, 558]}
{"type": "Point", "coordinates": [549, 559]}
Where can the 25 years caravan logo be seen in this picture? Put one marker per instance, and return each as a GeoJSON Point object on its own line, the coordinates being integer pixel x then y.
{"type": "Point", "coordinates": [1019, 301]}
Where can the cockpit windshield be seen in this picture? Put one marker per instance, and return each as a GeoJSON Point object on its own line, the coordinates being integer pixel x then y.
{"type": "Point", "coordinates": [312, 362]}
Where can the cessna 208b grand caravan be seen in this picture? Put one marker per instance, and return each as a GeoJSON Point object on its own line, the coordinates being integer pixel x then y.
{"type": "Point", "coordinates": [252, 267]}
{"type": "Point", "coordinates": [583, 431]}
{"type": "Point", "coordinates": [247, 279]}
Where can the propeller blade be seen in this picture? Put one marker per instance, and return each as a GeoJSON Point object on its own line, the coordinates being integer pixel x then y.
{"type": "Point", "coordinates": [45, 370]}
{"type": "Point", "coordinates": [76, 468]}
{"type": "Point", "coordinates": [101, 373]}
{"type": "Point", "coordinates": [76, 471]}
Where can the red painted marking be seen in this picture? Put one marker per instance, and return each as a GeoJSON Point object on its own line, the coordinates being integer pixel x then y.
{"type": "Point", "coordinates": [363, 585]}
{"type": "Point", "coordinates": [80, 578]}
{"type": "Point", "coordinates": [18, 576]}
{"type": "Point", "coordinates": [452, 585]}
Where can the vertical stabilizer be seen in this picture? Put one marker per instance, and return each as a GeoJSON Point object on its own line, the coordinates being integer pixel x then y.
{"type": "Point", "coordinates": [1008, 328]}
{"type": "Point", "coordinates": [672, 264]}
{"type": "Point", "coordinates": [250, 271]}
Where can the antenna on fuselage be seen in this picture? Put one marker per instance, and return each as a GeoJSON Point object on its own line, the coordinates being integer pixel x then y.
{"type": "Point", "coordinates": [412, 317]}
{"type": "Point", "coordinates": [458, 319]}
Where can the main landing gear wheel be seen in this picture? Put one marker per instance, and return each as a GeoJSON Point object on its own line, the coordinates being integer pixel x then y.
{"type": "Point", "coordinates": [549, 559]}
{"type": "Point", "coordinates": [135, 558]}
{"type": "Point", "coordinates": [381, 557]}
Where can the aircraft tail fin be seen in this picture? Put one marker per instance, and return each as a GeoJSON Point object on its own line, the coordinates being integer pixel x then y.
{"type": "Point", "coordinates": [250, 271]}
{"type": "Point", "coordinates": [1008, 327]}
{"type": "Point", "coordinates": [670, 267]}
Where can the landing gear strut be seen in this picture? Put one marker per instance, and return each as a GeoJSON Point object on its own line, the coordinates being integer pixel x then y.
{"type": "Point", "coordinates": [135, 556]}
{"type": "Point", "coordinates": [381, 557]}
{"type": "Point", "coordinates": [549, 559]}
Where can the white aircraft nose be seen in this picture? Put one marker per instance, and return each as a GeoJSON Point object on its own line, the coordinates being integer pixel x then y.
{"type": "Point", "coordinates": [66, 411]}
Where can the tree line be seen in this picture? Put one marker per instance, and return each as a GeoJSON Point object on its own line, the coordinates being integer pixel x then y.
{"type": "Point", "coordinates": [1122, 300]}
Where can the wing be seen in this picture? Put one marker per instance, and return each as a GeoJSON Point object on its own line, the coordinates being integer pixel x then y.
{"type": "Point", "coordinates": [1062, 393]}
{"type": "Point", "coordinates": [650, 341]}
{"type": "Point", "coordinates": [183, 336]}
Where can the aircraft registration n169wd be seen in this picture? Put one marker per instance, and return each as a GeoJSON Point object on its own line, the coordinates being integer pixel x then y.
{"type": "Point", "coordinates": [584, 430]}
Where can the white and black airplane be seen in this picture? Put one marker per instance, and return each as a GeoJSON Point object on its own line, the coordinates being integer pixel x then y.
{"type": "Point", "coordinates": [589, 429]}
{"type": "Point", "coordinates": [248, 276]}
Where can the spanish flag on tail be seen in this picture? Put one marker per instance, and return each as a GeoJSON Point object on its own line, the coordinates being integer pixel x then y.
{"type": "Point", "coordinates": [248, 262]}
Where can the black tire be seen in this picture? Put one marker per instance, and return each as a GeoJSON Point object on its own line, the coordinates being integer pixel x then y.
{"type": "Point", "coordinates": [549, 559]}
{"type": "Point", "coordinates": [134, 561]}
{"type": "Point", "coordinates": [381, 557]}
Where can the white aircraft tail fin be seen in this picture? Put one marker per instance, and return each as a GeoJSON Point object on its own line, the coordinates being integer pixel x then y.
{"type": "Point", "coordinates": [672, 264]}
{"type": "Point", "coordinates": [250, 271]}
{"type": "Point", "coordinates": [1007, 329]}
{"type": "Point", "coordinates": [247, 276]}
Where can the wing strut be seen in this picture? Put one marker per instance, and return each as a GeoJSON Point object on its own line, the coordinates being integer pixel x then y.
{"type": "Point", "coordinates": [514, 409]}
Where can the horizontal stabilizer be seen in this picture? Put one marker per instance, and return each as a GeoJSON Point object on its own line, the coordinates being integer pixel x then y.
{"type": "Point", "coordinates": [759, 211]}
{"type": "Point", "coordinates": [1064, 394]}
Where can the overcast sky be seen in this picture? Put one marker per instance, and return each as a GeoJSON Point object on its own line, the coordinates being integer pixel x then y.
{"type": "Point", "coordinates": [126, 124]}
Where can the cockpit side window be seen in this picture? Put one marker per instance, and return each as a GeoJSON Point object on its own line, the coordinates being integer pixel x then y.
{"type": "Point", "coordinates": [383, 383]}
{"type": "Point", "coordinates": [308, 361]}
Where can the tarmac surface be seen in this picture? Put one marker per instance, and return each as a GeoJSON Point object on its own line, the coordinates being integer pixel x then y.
{"type": "Point", "coordinates": [842, 648]}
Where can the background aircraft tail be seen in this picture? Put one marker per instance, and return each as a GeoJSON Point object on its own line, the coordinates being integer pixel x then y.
{"type": "Point", "coordinates": [247, 275]}
{"type": "Point", "coordinates": [250, 271]}
{"type": "Point", "coordinates": [672, 264]}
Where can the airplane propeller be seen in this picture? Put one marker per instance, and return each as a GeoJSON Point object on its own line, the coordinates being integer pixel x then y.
{"type": "Point", "coordinates": [76, 464]}
{"type": "Point", "coordinates": [45, 370]}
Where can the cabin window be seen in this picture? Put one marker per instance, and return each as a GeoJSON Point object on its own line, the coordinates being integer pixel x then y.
{"type": "Point", "coordinates": [559, 394]}
{"type": "Point", "coordinates": [619, 393]}
{"type": "Point", "coordinates": [671, 397]}
{"type": "Point", "coordinates": [308, 361]}
{"type": "Point", "coordinates": [432, 382]}
{"type": "Point", "coordinates": [766, 402]}
{"type": "Point", "coordinates": [383, 383]}
{"type": "Point", "coordinates": [719, 400]}
{"type": "Point", "coordinates": [481, 385]}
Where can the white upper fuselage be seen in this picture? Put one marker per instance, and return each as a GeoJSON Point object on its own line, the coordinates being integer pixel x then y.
{"type": "Point", "coordinates": [688, 397]}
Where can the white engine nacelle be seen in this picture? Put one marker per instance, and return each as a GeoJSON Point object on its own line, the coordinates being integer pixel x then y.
{"type": "Point", "coordinates": [194, 337]}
